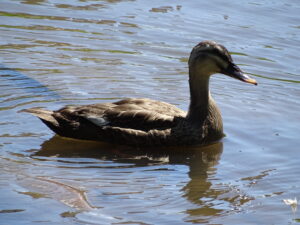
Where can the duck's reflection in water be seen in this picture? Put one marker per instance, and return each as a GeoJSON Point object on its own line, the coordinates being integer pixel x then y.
{"type": "Point", "coordinates": [199, 158]}
{"type": "Point", "coordinates": [201, 162]}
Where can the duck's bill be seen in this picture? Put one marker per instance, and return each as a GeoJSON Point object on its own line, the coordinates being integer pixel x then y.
{"type": "Point", "coordinates": [235, 72]}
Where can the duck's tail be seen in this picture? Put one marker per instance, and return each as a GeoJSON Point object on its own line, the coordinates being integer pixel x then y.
{"type": "Point", "coordinates": [45, 115]}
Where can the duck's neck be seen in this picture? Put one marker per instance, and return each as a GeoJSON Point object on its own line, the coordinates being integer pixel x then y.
{"type": "Point", "coordinates": [201, 99]}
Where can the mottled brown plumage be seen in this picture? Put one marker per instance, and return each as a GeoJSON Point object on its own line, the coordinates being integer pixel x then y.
{"type": "Point", "coordinates": [146, 122]}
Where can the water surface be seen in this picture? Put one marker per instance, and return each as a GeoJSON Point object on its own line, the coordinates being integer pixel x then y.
{"type": "Point", "coordinates": [55, 53]}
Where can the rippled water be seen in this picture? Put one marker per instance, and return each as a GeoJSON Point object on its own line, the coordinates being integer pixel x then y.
{"type": "Point", "coordinates": [55, 53]}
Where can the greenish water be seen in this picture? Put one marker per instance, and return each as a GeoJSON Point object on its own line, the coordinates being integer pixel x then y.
{"type": "Point", "coordinates": [55, 53]}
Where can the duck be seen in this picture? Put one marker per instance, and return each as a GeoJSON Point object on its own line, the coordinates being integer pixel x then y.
{"type": "Point", "coordinates": [149, 123]}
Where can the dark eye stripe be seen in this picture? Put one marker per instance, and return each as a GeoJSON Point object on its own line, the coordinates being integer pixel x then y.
{"type": "Point", "coordinates": [215, 52]}
{"type": "Point", "coordinates": [225, 56]}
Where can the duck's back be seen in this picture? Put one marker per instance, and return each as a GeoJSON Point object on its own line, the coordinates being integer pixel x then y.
{"type": "Point", "coordinates": [139, 114]}
{"type": "Point", "coordinates": [129, 121]}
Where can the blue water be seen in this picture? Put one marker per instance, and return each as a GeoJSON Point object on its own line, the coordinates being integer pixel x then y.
{"type": "Point", "coordinates": [56, 53]}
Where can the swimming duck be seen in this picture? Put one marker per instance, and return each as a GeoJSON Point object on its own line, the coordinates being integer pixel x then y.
{"type": "Point", "coordinates": [147, 122]}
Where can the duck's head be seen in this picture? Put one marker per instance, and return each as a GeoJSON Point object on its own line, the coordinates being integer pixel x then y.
{"type": "Point", "coordinates": [209, 57]}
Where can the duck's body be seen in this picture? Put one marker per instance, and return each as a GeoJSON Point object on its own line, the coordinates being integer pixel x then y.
{"type": "Point", "coordinates": [146, 122]}
{"type": "Point", "coordinates": [139, 122]}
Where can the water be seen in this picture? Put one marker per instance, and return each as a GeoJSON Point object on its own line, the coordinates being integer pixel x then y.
{"type": "Point", "coordinates": [55, 53]}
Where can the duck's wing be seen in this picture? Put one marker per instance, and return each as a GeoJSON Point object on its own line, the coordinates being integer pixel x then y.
{"type": "Point", "coordinates": [139, 114]}
{"type": "Point", "coordinates": [126, 119]}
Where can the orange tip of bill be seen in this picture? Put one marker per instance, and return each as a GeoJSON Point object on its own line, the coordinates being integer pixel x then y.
{"type": "Point", "coordinates": [251, 81]}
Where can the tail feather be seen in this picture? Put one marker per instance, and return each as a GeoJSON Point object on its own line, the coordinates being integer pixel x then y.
{"type": "Point", "coordinates": [43, 114]}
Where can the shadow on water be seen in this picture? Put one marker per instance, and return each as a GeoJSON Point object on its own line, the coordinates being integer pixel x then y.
{"type": "Point", "coordinates": [12, 80]}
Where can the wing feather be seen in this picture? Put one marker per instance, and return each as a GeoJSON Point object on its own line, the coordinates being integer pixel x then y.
{"type": "Point", "coordinates": [132, 121]}
{"type": "Point", "coordinates": [139, 114]}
